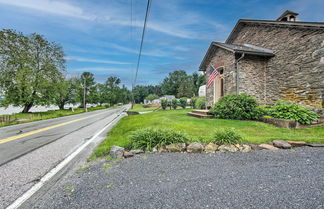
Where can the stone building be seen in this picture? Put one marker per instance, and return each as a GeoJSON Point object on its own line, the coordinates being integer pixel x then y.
{"type": "Point", "coordinates": [270, 60]}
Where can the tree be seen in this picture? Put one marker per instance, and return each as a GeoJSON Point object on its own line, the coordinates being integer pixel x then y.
{"type": "Point", "coordinates": [151, 97]}
{"type": "Point", "coordinates": [186, 88]}
{"type": "Point", "coordinates": [86, 82]}
{"type": "Point", "coordinates": [198, 80]}
{"type": "Point", "coordinates": [140, 93]}
{"type": "Point", "coordinates": [67, 92]}
{"type": "Point", "coordinates": [112, 89]}
{"type": "Point", "coordinates": [30, 69]}
{"type": "Point", "coordinates": [171, 83]}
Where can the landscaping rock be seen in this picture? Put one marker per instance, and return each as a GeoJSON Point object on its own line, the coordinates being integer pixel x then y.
{"type": "Point", "coordinates": [211, 147]}
{"type": "Point", "coordinates": [137, 151]}
{"type": "Point", "coordinates": [154, 149]}
{"type": "Point", "coordinates": [297, 143]}
{"type": "Point", "coordinates": [228, 147]}
{"type": "Point", "coordinates": [116, 152]}
{"type": "Point", "coordinates": [195, 147]}
{"type": "Point", "coordinates": [268, 147]}
{"type": "Point", "coordinates": [245, 148]}
{"type": "Point", "coordinates": [255, 147]}
{"type": "Point", "coordinates": [179, 147]}
{"type": "Point", "coordinates": [163, 149]}
{"type": "Point", "coordinates": [128, 154]}
{"type": "Point", "coordinates": [316, 145]}
{"type": "Point", "coordinates": [281, 144]}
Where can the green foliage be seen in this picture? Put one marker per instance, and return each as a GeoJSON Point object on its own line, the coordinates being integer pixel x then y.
{"type": "Point", "coordinates": [148, 138]}
{"type": "Point", "coordinates": [227, 136]}
{"type": "Point", "coordinates": [290, 111]}
{"type": "Point", "coordinates": [237, 106]}
{"type": "Point", "coordinates": [183, 102]}
{"type": "Point", "coordinates": [193, 102]}
{"type": "Point", "coordinates": [200, 103]}
{"type": "Point", "coordinates": [197, 129]}
{"type": "Point", "coordinates": [151, 97]}
{"type": "Point", "coordinates": [164, 103]}
{"type": "Point", "coordinates": [31, 69]}
{"type": "Point", "coordinates": [174, 103]}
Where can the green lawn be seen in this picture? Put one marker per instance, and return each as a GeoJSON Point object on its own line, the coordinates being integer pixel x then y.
{"type": "Point", "coordinates": [7, 120]}
{"type": "Point", "coordinates": [140, 108]}
{"type": "Point", "coordinates": [195, 128]}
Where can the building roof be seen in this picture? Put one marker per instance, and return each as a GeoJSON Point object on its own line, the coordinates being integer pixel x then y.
{"type": "Point", "coordinates": [245, 48]}
{"type": "Point", "coordinates": [287, 12]}
{"type": "Point", "coordinates": [243, 22]}
{"type": "Point", "coordinates": [235, 48]}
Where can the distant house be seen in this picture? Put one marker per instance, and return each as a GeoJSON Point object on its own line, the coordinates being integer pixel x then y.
{"type": "Point", "coordinates": [270, 60]}
{"type": "Point", "coordinates": [158, 101]}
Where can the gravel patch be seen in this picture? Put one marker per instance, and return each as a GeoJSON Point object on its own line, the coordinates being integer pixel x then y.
{"type": "Point", "coordinates": [260, 179]}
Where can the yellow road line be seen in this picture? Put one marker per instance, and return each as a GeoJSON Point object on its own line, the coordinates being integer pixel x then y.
{"type": "Point", "coordinates": [43, 129]}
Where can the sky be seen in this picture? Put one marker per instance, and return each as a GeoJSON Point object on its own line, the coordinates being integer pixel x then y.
{"type": "Point", "coordinates": [103, 36]}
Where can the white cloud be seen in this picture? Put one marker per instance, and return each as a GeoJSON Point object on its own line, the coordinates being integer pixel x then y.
{"type": "Point", "coordinates": [53, 7]}
{"type": "Point", "coordinates": [82, 59]}
{"type": "Point", "coordinates": [100, 69]}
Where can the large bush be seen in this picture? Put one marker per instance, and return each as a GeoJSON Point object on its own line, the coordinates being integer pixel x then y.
{"type": "Point", "coordinates": [226, 136]}
{"type": "Point", "coordinates": [290, 111]}
{"type": "Point", "coordinates": [174, 103]}
{"type": "Point", "coordinates": [237, 106]}
{"type": "Point", "coordinates": [148, 138]}
{"type": "Point", "coordinates": [183, 102]}
{"type": "Point", "coordinates": [193, 102]}
{"type": "Point", "coordinates": [164, 103]}
{"type": "Point", "coordinates": [200, 103]}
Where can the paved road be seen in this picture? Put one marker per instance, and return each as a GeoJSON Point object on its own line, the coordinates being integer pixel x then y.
{"type": "Point", "coordinates": [260, 179]}
{"type": "Point", "coordinates": [30, 150]}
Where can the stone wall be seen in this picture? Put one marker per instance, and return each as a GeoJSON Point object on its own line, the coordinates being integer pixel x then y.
{"type": "Point", "coordinates": [296, 73]}
{"type": "Point", "coordinates": [252, 77]}
{"type": "Point", "coordinates": [221, 55]}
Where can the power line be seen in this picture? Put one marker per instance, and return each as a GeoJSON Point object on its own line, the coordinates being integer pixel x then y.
{"type": "Point", "coordinates": [148, 6]}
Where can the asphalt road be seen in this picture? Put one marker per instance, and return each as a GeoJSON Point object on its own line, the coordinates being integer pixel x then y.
{"type": "Point", "coordinates": [28, 151]}
{"type": "Point", "coordinates": [260, 179]}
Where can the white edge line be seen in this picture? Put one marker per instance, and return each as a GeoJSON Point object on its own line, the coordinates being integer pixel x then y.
{"type": "Point", "coordinates": [18, 202]}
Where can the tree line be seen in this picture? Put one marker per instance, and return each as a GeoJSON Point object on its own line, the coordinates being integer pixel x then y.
{"type": "Point", "coordinates": [177, 83]}
{"type": "Point", "coordinates": [32, 72]}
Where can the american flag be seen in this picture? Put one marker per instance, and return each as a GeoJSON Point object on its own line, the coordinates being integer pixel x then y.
{"type": "Point", "coordinates": [212, 76]}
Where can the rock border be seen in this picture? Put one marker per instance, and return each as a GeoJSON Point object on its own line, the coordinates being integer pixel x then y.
{"type": "Point", "coordinates": [117, 152]}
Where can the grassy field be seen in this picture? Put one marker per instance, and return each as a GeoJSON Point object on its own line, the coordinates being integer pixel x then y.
{"type": "Point", "coordinates": [7, 120]}
{"type": "Point", "coordinates": [140, 108]}
{"type": "Point", "coordinates": [195, 128]}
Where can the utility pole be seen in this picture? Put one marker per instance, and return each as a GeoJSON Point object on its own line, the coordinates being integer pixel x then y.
{"type": "Point", "coordinates": [84, 95]}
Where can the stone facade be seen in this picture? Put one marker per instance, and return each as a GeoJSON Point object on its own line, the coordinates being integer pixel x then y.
{"type": "Point", "coordinates": [221, 55]}
{"type": "Point", "coordinates": [295, 72]}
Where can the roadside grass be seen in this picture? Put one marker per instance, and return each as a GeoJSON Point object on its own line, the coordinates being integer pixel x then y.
{"type": "Point", "coordinates": [17, 118]}
{"type": "Point", "coordinates": [141, 108]}
{"type": "Point", "coordinates": [197, 129]}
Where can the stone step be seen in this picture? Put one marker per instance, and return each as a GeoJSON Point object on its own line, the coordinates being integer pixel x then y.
{"type": "Point", "coordinates": [197, 115]}
{"type": "Point", "coordinates": [201, 112]}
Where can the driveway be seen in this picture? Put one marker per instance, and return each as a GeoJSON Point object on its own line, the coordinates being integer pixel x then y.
{"type": "Point", "coordinates": [260, 179]}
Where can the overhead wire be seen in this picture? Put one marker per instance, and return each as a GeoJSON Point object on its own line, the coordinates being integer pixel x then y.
{"type": "Point", "coordinates": [148, 7]}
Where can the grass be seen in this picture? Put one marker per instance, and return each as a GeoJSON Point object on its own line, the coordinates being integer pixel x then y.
{"type": "Point", "coordinates": [17, 118]}
{"type": "Point", "coordinates": [140, 108]}
{"type": "Point", "coordinates": [197, 129]}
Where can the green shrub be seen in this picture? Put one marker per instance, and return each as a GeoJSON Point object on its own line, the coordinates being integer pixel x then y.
{"type": "Point", "coordinates": [237, 106]}
{"type": "Point", "coordinates": [290, 111]}
{"type": "Point", "coordinates": [148, 138]}
{"type": "Point", "coordinates": [164, 103]}
{"type": "Point", "coordinates": [226, 136]}
{"type": "Point", "coordinates": [200, 103]}
{"type": "Point", "coordinates": [174, 103]}
{"type": "Point", "coordinates": [183, 102]}
{"type": "Point", "coordinates": [193, 102]}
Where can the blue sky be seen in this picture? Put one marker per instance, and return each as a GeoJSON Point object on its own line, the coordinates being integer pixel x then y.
{"type": "Point", "coordinates": [100, 36]}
